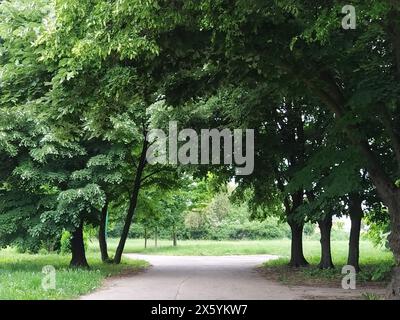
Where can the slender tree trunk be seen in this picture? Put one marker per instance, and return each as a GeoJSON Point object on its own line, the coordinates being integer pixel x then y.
{"type": "Point", "coordinates": [325, 227]}
{"type": "Point", "coordinates": [132, 203]}
{"type": "Point", "coordinates": [174, 237]}
{"type": "Point", "coordinates": [155, 236]}
{"type": "Point", "coordinates": [102, 234]}
{"type": "Point", "coordinates": [78, 249]}
{"type": "Point", "coordinates": [356, 214]}
{"type": "Point", "coordinates": [354, 243]}
{"type": "Point", "coordinates": [297, 256]}
{"type": "Point", "coordinates": [145, 237]}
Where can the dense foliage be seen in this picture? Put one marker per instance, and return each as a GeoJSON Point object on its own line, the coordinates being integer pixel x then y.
{"type": "Point", "coordinates": [83, 82]}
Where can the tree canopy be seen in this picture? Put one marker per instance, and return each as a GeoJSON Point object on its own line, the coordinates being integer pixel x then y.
{"type": "Point", "coordinates": [83, 82]}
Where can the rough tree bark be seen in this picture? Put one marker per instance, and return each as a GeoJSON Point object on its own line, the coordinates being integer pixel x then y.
{"type": "Point", "coordinates": [325, 226]}
{"type": "Point", "coordinates": [132, 203]}
{"type": "Point", "coordinates": [297, 258]}
{"type": "Point", "coordinates": [356, 214]}
{"type": "Point", "coordinates": [391, 195]}
{"type": "Point", "coordinates": [393, 204]}
{"type": "Point", "coordinates": [102, 234]}
{"type": "Point", "coordinates": [78, 248]}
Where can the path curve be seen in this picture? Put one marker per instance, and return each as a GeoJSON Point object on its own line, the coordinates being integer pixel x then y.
{"type": "Point", "coordinates": [206, 278]}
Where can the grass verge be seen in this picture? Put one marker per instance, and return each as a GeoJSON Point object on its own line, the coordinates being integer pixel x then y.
{"type": "Point", "coordinates": [375, 271]}
{"type": "Point", "coordinates": [21, 275]}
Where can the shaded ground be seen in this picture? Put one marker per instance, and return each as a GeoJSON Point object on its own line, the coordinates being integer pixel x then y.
{"type": "Point", "coordinates": [213, 278]}
{"type": "Point", "coordinates": [313, 276]}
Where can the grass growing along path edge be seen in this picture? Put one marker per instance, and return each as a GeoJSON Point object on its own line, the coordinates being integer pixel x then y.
{"type": "Point", "coordinates": [21, 275]}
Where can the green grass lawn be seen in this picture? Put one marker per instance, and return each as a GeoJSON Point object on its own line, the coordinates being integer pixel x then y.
{"type": "Point", "coordinates": [369, 253]}
{"type": "Point", "coordinates": [21, 275]}
{"type": "Point", "coordinates": [202, 247]}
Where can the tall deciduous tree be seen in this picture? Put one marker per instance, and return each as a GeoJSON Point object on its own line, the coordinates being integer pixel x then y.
{"type": "Point", "coordinates": [352, 73]}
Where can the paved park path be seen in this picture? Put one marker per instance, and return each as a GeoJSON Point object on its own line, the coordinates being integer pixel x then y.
{"type": "Point", "coordinates": [206, 277]}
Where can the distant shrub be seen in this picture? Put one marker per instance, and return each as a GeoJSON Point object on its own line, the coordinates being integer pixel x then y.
{"type": "Point", "coordinates": [236, 230]}
{"type": "Point", "coordinates": [253, 230]}
{"type": "Point", "coordinates": [43, 251]}
{"type": "Point", "coordinates": [28, 245]}
{"type": "Point", "coordinates": [309, 229]}
{"type": "Point", "coordinates": [65, 246]}
{"type": "Point", "coordinates": [220, 220]}
{"type": "Point", "coordinates": [65, 242]}
{"type": "Point", "coordinates": [339, 234]}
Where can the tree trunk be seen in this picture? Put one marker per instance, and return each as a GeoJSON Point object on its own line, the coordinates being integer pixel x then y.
{"type": "Point", "coordinates": [174, 237]}
{"type": "Point", "coordinates": [297, 257]}
{"type": "Point", "coordinates": [145, 237]}
{"type": "Point", "coordinates": [325, 227]}
{"type": "Point", "coordinates": [78, 249]}
{"type": "Point", "coordinates": [155, 236]}
{"type": "Point", "coordinates": [393, 290]}
{"type": "Point", "coordinates": [132, 203]}
{"type": "Point", "coordinates": [102, 234]}
{"type": "Point", "coordinates": [356, 214]}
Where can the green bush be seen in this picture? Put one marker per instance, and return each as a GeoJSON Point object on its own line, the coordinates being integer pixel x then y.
{"type": "Point", "coordinates": [339, 234]}
{"type": "Point", "coordinates": [43, 251]}
{"type": "Point", "coordinates": [381, 272]}
{"type": "Point", "coordinates": [27, 245]}
{"type": "Point", "coordinates": [336, 234]}
{"type": "Point", "coordinates": [251, 230]}
{"type": "Point", "coordinates": [309, 229]}
{"type": "Point", "coordinates": [229, 230]}
{"type": "Point", "coordinates": [378, 234]}
{"type": "Point", "coordinates": [220, 221]}
{"type": "Point", "coordinates": [65, 243]}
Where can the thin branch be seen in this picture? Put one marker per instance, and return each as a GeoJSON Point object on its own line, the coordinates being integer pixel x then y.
{"type": "Point", "coordinates": [154, 172]}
